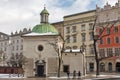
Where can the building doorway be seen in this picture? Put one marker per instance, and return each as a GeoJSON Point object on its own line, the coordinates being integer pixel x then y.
{"type": "Point", "coordinates": [91, 67]}
{"type": "Point", "coordinates": [65, 68]}
{"type": "Point", "coordinates": [110, 67]}
{"type": "Point", "coordinates": [40, 70]}
{"type": "Point", "coordinates": [102, 67]}
{"type": "Point", "coordinates": [118, 67]}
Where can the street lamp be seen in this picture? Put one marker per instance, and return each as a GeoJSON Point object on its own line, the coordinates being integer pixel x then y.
{"type": "Point", "coordinates": [82, 50]}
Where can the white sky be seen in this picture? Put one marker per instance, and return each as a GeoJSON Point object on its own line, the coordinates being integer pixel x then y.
{"type": "Point", "coordinates": [18, 14]}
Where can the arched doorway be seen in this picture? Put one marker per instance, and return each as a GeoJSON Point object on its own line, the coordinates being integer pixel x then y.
{"type": "Point", "coordinates": [40, 68]}
{"type": "Point", "coordinates": [110, 67]}
{"type": "Point", "coordinates": [118, 67]}
{"type": "Point", "coordinates": [102, 67]}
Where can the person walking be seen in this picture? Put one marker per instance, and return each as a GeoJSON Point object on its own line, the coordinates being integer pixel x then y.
{"type": "Point", "coordinates": [74, 74]}
{"type": "Point", "coordinates": [79, 74]}
{"type": "Point", "coordinates": [68, 74]}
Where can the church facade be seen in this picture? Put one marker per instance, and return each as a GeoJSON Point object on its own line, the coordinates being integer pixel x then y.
{"type": "Point", "coordinates": [40, 49]}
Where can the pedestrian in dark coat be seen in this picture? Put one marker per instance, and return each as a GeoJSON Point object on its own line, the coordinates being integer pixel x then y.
{"type": "Point", "coordinates": [74, 74]}
{"type": "Point", "coordinates": [79, 74]}
{"type": "Point", "coordinates": [68, 74]}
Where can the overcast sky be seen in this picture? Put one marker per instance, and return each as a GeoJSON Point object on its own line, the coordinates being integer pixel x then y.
{"type": "Point", "coordinates": [18, 14]}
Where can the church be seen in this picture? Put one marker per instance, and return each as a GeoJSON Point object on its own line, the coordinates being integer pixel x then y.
{"type": "Point", "coordinates": [40, 49]}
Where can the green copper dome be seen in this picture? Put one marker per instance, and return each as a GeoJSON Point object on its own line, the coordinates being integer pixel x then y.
{"type": "Point", "coordinates": [44, 28]}
{"type": "Point", "coordinates": [44, 11]}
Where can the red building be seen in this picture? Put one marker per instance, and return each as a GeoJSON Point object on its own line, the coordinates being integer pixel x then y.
{"type": "Point", "coordinates": [108, 29]}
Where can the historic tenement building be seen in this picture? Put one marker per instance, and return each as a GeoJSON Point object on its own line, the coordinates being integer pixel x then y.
{"type": "Point", "coordinates": [4, 48]}
{"type": "Point", "coordinates": [11, 45]}
{"type": "Point", "coordinates": [60, 27]}
{"type": "Point", "coordinates": [78, 29]}
{"type": "Point", "coordinates": [108, 26]}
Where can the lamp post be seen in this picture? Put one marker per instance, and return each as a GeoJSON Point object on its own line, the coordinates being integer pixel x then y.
{"type": "Point", "coordinates": [82, 50]}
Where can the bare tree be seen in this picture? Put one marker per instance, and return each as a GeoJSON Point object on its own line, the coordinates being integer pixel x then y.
{"type": "Point", "coordinates": [58, 46]}
{"type": "Point", "coordinates": [17, 60]}
{"type": "Point", "coordinates": [96, 38]}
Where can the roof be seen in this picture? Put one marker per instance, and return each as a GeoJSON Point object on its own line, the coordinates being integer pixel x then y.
{"type": "Point", "coordinates": [44, 11]}
{"type": "Point", "coordinates": [42, 34]}
{"type": "Point", "coordinates": [79, 13]}
{"type": "Point", "coordinates": [44, 28]}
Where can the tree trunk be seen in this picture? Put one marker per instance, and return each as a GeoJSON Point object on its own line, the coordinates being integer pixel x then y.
{"type": "Point", "coordinates": [96, 58]}
{"type": "Point", "coordinates": [59, 65]}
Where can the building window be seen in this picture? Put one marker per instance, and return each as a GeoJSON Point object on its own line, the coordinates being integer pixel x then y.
{"type": "Point", "coordinates": [17, 47]}
{"type": "Point", "coordinates": [116, 39]}
{"type": "Point", "coordinates": [73, 28]}
{"type": "Point", "coordinates": [83, 37]}
{"type": "Point", "coordinates": [101, 41]}
{"type": "Point", "coordinates": [74, 38]}
{"type": "Point", "coordinates": [91, 67]}
{"type": "Point", "coordinates": [67, 29]}
{"type": "Point", "coordinates": [109, 52]}
{"type": "Point", "coordinates": [102, 53]}
{"type": "Point", "coordinates": [5, 48]}
{"type": "Point", "coordinates": [13, 48]}
{"type": "Point", "coordinates": [91, 35]}
{"type": "Point", "coordinates": [1, 44]}
{"type": "Point", "coordinates": [115, 29]}
{"type": "Point", "coordinates": [117, 51]}
{"type": "Point", "coordinates": [108, 41]}
{"type": "Point", "coordinates": [91, 26]}
{"type": "Point", "coordinates": [108, 31]}
{"type": "Point", "coordinates": [17, 41]}
{"type": "Point", "coordinates": [100, 31]}
{"type": "Point", "coordinates": [21, 47]}
{"type": "Point", "coordinates": [91, 49]}
{"type": "Point", "coordinates": [83, 27]}
{"type": "Point", "coordinates": [68, 39]}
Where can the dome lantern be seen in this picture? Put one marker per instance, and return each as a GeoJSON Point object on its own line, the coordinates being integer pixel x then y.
{"type": "Point", "coordinates": [44, 15]}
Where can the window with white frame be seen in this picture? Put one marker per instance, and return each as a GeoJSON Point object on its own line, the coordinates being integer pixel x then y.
{"type": "Point", "coordinates": [67, 29]}
{"type": "Point", "coordinates": [116, 29]}
{"type": "Point", "coordinates": [116, 39]}
{"type": "Point", "coordinates": [91, 49]}
{"type": "Point", "coordinates": [102, 53]}
{"type": "Point", "coordinates": [73, 28]}
{"type": "Point", "coordinates": [117, 51]}
{"type": "Point", "coordinates": [108, 41]}
{"type": "Point", "coordinates": [68, 39]}
{"type": "Point", "coordinates": [91, 26]}
{"type": "Point", "coordinates": [109, 52]}
{"type": "Point", "coordinates": [83, 36]}
{"type": "Point", "coordinates": [74, 38]}
{"type": "Point", "coordinates": [101, 41]}
{"type": "Point", "coordinates": [91, 35]}
{"type": "Point", "coordinates": [83, 27]}
{"type": "Point", "coordinates": [108, 30]}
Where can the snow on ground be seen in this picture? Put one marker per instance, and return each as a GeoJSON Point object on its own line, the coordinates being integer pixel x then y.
{"type": "Point", "coordinates": [91, 77]}
{"type": "Point", "coordinates": [10, 76]}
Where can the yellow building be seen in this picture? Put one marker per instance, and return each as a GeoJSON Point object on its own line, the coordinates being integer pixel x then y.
{"type": "Point", "coordinates": [78, 31]}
